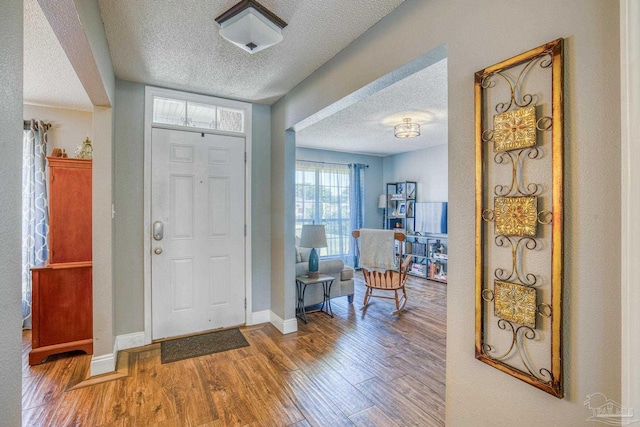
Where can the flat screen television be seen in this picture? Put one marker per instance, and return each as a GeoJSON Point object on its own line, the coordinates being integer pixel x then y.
{"type": "Point", "coordinates": [431, 217]}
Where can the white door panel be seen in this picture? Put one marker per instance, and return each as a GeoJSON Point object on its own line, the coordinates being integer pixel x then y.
{"type": "Point", "coordinates": [198, 195]}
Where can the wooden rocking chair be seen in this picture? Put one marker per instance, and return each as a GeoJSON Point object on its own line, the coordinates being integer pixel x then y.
{"type": "Point", "coordinates": [388, 280]}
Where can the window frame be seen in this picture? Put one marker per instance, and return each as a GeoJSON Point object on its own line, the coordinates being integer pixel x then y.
{"type": "Point", "coordinates": [341, 222]}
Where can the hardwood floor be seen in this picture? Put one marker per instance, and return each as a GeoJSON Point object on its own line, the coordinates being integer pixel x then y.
{"type": "Point", "coordinates": [376, 370]}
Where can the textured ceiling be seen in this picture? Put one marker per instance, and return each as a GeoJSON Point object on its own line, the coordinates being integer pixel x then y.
{"type": "Point", "coordinates": [176, 44]}
{"type": "Point", "coordinates": [366, 127]}
{"type": "Point", "coordinates": [49, 78]}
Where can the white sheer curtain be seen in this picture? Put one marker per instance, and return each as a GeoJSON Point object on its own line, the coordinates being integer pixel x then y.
{"type": "Point", "coordinates": [35, 208]}
{"type": "Point", "coordinates": [322, 197]}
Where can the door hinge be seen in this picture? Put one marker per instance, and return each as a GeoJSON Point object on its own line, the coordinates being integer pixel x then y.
{"type": "Point", "coordinates": [245, 157]}
{"type": "Point", "coordinates": [245, 303]}
{"type": "Point", "coordinates": [245, 230]}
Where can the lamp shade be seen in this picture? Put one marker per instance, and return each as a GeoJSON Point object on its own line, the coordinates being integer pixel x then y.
{"type": "Point", "coordinates": [313, 236]}
{"type": "Point", "coordinates": [382, 201]}
{"type": "Point", "coordinates": [407, 129]}
{"type": "Point", "coordinates": [251, 26]}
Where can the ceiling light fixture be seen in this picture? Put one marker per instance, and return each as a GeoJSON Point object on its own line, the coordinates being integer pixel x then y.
{"type": "Point", "coordinates": [251, 26]}
{"type": "Point", "coordinates": [406, 129]}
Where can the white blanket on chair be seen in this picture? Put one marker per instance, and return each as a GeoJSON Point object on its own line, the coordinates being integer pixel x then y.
{"type": "Point", "coordinates": [377, 249]}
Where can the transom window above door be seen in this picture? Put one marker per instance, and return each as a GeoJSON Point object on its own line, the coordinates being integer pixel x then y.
{"type": "Point", "coordinates": [178, 112]}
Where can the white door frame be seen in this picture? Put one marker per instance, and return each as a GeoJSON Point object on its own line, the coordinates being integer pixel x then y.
{"type": "Point", "coordinates": [150, 92]}
{"type": "Point", "coordinates": [630, 202]}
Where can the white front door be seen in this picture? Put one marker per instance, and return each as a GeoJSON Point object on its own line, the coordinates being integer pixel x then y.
{"type": "Point", "coordinates": [197, 205]}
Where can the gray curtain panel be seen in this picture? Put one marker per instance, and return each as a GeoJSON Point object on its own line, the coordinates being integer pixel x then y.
{"type": "Point", "coordinates": [356, 204]}
{"type": "Point", "coordinates": [35, 209]}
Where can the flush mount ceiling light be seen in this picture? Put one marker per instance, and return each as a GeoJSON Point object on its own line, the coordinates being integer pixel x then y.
{"type": "Point", "coordinates": [251, 26]}
{"type": "Point", "coordinates": [406, 129]}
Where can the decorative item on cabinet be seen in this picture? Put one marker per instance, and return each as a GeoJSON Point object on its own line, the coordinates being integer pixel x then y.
{"type": "Point", "coordinates": [62, 289]}
{"type": "Point", "coordinates": [84, 151]}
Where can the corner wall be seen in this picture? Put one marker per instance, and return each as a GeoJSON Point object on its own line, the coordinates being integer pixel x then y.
{"type": "Point", "coordinates": [477, 35]}
{"type": "Point", "coordinates": [10, 203]}
{"type": "Point", "coordinates": [129, 202]}
{"type": "Point", "coordinates": [88, 13]}
{"type": "Point", "coordinates": [261, 208]}
{"type": "Point", "coordinates": [78, 26]}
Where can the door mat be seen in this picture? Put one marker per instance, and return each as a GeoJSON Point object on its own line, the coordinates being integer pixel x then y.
{"type": "Point", "coordinates": [199, 345]}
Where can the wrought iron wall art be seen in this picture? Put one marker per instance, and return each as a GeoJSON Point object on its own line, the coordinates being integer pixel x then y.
{"type": "Point", "coordinates": [519, 214]}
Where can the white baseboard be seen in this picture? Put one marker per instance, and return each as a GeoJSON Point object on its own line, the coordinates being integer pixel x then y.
{"type": "Point", "coordinates": [290, 326]}
{"type": "Point", "coordinates": [103, 364]}
{"type": "Point", "coordinates": [285, 326]}
{"type": "Point", "coordinates": [107, 362]}
{"type": "Point", "coordinates": [126, 341]}
{"type": "Point", "coordinates": [258, 317]}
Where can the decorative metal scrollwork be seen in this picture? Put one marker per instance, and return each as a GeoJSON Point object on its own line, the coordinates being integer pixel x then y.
{"type": "Point", "coordinates": [517, 187]}
{"type": "Point", "coordinates": [517, 99]}
{"type": "Point", "coordinates": [544, 123]}
{"type": "Point", "coordinates": [518, 290]}
{"type": "Point", "coordinates": [487, 294]}
{"type": "Point", "coordinates": [520, 335]}
{"type": "Point", "coordinates": [516, 273]}
{"type": "Point", "coordinates": [544, 310]}
{"type": "Point", "coordinates": [545, 217]}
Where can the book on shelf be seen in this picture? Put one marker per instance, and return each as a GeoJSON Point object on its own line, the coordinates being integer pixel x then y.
{"type": "Point", "coordinates": [417, 268]}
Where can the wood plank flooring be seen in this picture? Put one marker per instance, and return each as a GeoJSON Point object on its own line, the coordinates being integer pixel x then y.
{"type": "Point", "coordinates": [376, 370]}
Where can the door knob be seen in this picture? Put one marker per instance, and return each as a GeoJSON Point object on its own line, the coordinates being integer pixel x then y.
{"type": "Point", "coordinates": [157, 250]}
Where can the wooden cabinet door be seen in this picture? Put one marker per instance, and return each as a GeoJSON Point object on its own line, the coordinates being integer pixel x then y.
{"type": "Point", "coordinates": [69, 210]}
{"type": "Point", "coordinates": [65, 314]}
{"type": "Point", "coordinates": [62, 310]}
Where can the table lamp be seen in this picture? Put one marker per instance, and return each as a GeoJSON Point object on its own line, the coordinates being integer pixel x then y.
{"type": "Point", "coordinates": [313, 236]}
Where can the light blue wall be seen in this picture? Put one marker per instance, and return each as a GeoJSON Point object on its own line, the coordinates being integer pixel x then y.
{"type": "Point", "coordinates": [372, 178]}
{"type": "Point", "coordinates": [428, 167]}
{"type": "Point", "coordinates": [129, 202]}
{"type": "Point", "coordinates": [261, 208]}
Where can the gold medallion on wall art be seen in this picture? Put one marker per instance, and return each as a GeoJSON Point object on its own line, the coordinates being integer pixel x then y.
{"type": "Point", "coordinates": [514, 129]}
{"type": "Point", "coordinates": [516, 216]}
{"type": "Point", "coordinates": [515, 303]}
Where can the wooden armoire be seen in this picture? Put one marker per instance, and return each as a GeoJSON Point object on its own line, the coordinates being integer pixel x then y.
{"type": "Point", "coordinates": [62, 300]}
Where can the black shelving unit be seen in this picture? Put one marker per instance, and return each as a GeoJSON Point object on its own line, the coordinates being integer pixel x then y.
{"type": "Point", "coordinates": [401, 199]}
{"type": "Point", "coordinates": [429, 256]}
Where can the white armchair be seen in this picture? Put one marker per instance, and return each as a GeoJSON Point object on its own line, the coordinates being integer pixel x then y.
{"type": "Point", "coordinates": [343, 277]}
